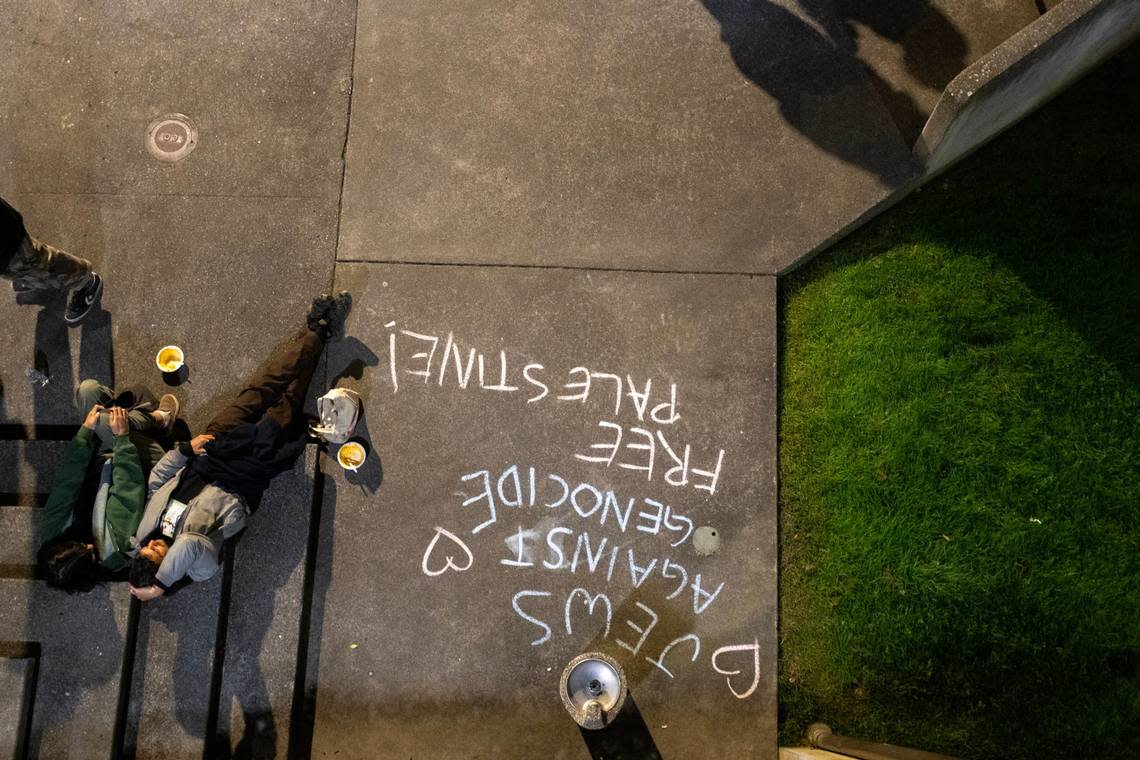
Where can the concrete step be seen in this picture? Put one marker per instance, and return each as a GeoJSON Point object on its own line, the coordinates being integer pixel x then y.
{"type": "Point", "coordinates": [217, 659]}
{"type": "Point", "coordinates": [169, 703]}
{"type": "Point", "coordinates": [263, 624]}
{"type": "Point", "coordinates": [20, 527]}
{"type": "Point", "coordinates": [81, 639]}
{"type": "Point", "coordinates": [27, 469]}
{"type": "Point", "coordinates": [19, 663]}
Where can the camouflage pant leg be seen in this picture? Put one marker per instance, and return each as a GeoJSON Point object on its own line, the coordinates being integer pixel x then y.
{"type": "Point", "coordinates": [40, 266]}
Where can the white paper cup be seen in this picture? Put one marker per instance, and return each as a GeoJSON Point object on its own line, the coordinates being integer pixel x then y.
{"type": "Point", "coordinates": [169, 359]}
{"type": "Point", "coordinates": [351, 455]}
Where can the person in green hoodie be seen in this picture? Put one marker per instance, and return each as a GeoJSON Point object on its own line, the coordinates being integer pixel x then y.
{"type": "Point", "coordinates": [99, 492]}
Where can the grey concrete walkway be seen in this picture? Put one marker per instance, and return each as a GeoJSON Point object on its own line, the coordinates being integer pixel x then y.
{"type": "Point", "coordinates": [554, 445]}
{"type": "Point", "coordinates": [609, 422]}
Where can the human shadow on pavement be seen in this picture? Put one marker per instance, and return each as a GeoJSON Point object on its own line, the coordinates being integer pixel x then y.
{"type": "Point", "coordinates": [817, 79]}
{"type": "Point", "coordinates": [187, 620]}
{"type": "Point", "coordinates": [53, 399]}
{"type": "Point", "coordinates": [356, 358]}
{"type": "Point", "coordinates": [268, 556]}
{"type": "Point", "coordinates": [627, 738]}
{"type": "Point", "coordinates": [318, 576]}
{"type": "Point", "coordinates": [371, 474]}
{"type": "Point", "coordinates": [82, 651]}
{"type": "Point", "coordinates": [934, 49]}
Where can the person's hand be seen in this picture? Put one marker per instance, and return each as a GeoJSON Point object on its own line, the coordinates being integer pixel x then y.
{"type": "Point", "coordinates": [92, 417]}
{"type": "Point", "coordinates": [119, 422]}
{"type": "Point", "coordinates": [198, 443]}
{"type": "Point", "coordinates": [146, 594]}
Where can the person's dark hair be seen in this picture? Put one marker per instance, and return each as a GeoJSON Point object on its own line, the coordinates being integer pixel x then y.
{"type": "Point", "coordinates": [142, 572]}
{"type": "Point", "coordinates": [68, 564]}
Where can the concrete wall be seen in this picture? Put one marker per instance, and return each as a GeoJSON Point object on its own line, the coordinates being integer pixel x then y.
{"type": "Point", "coordinates": [1022, 73]}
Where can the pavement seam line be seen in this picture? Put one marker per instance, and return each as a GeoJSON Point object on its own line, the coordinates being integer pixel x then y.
{"type": "Point", "coordinates": [347, 136]}
{"type": "Point", "coordinates": [563, 267]}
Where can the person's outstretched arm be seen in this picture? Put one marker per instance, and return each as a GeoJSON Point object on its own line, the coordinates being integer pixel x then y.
{"type": "Point", "coordinates": [68, 483]}
{"type": "Point", "coordinates": [175, 460]}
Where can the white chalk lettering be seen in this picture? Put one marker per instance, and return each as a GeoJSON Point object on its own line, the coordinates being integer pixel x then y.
{"type": "Point", "coordinates": [392, 358]}
{"type": "Point", "coordinates": [678, 474]}
{"type": "Point", "coordinates": [556, 548]}
{"type": "Point", "coordinates": [647, 467]}
{"type": "Point", "coordinates": [574, 499]}
{"type": "Point", "coordinates": [511, 474]}
{"type": "Point", "coordinates": [713, 475]}
{"type": "Point", "coordinates": [592, 560]}
{"type": "Point", "coordinates": [590, 601]}
{"type": "Point", "coordinates": [584, 385]}
{"type": "Point", "coordinates": [617, 390]}
{"type": "Point", "coordinates": [425, 373]}
{"type": "Point", "coordinates": [520, 549]}
{"type": "Point", "coordinates": [449, 561]}
{"type": "Point", "coordinates": [535, 382]}
{"type": "Point", "coordinates": [640, 400]}
{"type": "Point", "coordinates": [611, 506]}
{"type": "Point", "coordinates": [680, 465]}
{"type": "Point", "coordinates": [643, 631]}
{"type": "Point", "coordinates": [515, 604]}
{"type": "Point", "coordinates": [676, 527]}
{"type": "Point", "coordinates": [659, 663]}
{"type": "Point", "coordinates": [637, 575]}
{"type": "Point", "coordinates": [451, 355]}
{"type": "Point", "coordinates": [670, 405]}
{"type": "Point", "coordinates": [754, 647]}
{"type": "Point", "coordinates": [565, 491]}
{"type": "Point", "coordinates": [486, 494]}
{"type": "Point", "coordinates": [502, 384]}
{"type": "Point", "coordinates": [612, 447]}
{"type": "Point", "coordinates": [701, 598]}
{"type": "Point", "coordinates": [684, 576]}
{"type": "Point", "coordinates": [655, 518]}
{"type": "Point", "coordinates": [516, 488]}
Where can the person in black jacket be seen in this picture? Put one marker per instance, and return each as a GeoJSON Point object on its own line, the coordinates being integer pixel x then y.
{"type": "Point", "coordinates": [32, 264]}
{"type": "Point", "coordinates": [201, 492]}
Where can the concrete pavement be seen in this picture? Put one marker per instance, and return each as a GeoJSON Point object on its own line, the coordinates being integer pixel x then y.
{"type": "Point", "coordinates": [562, 226]}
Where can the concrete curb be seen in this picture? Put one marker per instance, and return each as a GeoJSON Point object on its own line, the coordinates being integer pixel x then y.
{"type": "Point", "coordinates": [1021, 74]}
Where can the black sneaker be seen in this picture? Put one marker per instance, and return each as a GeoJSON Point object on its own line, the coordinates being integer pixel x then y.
{"type": "Point", "coordinates": [83, 300]}
{"type": "Point", "coordinates": [319, 310]}
{"type": "Point", "coordinates": [338, 314]}
{"type": "Point", "coordinates": [19, 286]}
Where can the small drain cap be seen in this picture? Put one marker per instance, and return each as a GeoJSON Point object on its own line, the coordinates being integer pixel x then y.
{"type": "Point", "coordinates": [171, 137]}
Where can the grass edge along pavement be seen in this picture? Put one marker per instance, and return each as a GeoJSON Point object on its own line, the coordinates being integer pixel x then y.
{"type": "Point", "coordinates": [960, 396]}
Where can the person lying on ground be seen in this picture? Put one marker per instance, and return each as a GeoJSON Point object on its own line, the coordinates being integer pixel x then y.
{"type": "Point", "coordinates": [34, 265]}
{"type": "Point", "coordinates": [97, 499]}
{"type": "Point", "coordinates": [203, 491]}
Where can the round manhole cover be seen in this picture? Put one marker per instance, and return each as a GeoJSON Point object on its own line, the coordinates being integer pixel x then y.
{"type": "Point", "coordinates": [171, 137]}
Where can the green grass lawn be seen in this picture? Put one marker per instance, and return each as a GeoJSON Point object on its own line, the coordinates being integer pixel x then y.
{"type": "Point", "coordinates": [960, 452]}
